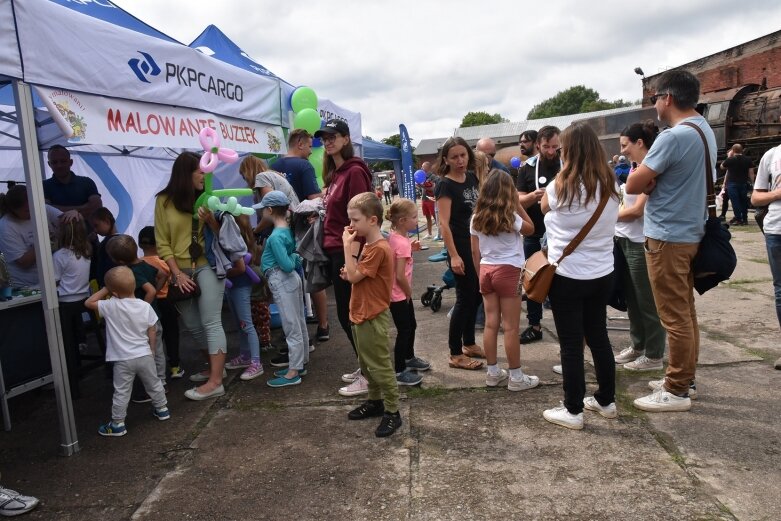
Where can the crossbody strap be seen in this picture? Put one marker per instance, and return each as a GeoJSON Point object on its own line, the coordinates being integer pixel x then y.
{"type": "Point", "coordinates": [587, 228]}
{"type": "Point", "coordinates": [195, 250]}
{"type": "Point", "coordinates": [710, 197]}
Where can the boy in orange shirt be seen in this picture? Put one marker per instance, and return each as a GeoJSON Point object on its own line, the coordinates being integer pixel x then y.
{"type": "Point", "coordinates": [371, 274]}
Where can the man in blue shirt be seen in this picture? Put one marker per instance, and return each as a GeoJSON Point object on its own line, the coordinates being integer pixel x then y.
{"type": "Point", "coordinates": [297, 169]}
{"type": "Point", "coordinates": [487, 146]}
{"type": "Point", "coordinates": [66, 190]}
{"type": "Point", "coordinates": [672, 176]}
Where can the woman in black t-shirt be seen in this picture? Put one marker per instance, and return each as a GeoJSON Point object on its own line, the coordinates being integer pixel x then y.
{"type": "Point", "coordinates": [456, 195]}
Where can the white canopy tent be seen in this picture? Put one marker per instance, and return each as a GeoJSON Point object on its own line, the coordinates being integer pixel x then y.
{"type": "Point", "coordinates": [139, 95]}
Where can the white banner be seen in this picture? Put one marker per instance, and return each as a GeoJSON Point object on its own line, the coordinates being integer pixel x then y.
{"type": "Point", "coordinates": [65, 49]}
{"type": "Point", "coordinates": [96, 120]}
{"type": "Point", "coordinates": [10, 63]}
{"type": "Point", "coordinates": [330, 110]}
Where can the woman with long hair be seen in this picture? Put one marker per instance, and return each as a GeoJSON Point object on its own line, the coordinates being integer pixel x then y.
{"type": "Point", "coordinates": [344, 176]}
{"type": "Point", "coordinates": [645, 330]}
{"type": "Point", "coordinates": [174, 228]}
{"type": "Point", "coordinates": [456, 196]}
{"type": "Point", "coordinates": [582, 284]}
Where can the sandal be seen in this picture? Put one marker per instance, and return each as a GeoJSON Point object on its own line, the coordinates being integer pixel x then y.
{"type": "Point", "coordinates": [473, 351]}
{"type": "Point", "coordinates": [464, 362]}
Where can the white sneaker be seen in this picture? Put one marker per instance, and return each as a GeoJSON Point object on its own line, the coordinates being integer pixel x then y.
{"type": "Point", "coordinates": [493, 381]}
{"type": "Point", "coordinates": [628, 355]}
{"type": "Point", "coordinates": [358, 387]}
{"type": "Point", "coordinates": [12, 503]}
{"type": "Point", "coordinates": [608, 411]}
{"type": "Point", "coordinates": [427, 236]}
{"type": "Point", "coordinates": [557, 369]}
{"type": "Point", "coordinates": [662, 401]}
{"type": "Point", "coordinates": [561, 416]}
{"type": "Point", "coordinates": [349, 378]}
{"type": "Point", "coordinates": [643, 363]}
{"type": "Point", "coordinates": [655, 385]}
{"type": "Point", "coordinates": [203, 376]}
{"type": "Point", "coordinates": [525, 382]}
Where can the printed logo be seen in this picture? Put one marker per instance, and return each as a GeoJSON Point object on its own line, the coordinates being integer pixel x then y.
{"type": "Point", "coordinates": [72, 111]}
{"type": "Point", "coordinates": [145, 68]}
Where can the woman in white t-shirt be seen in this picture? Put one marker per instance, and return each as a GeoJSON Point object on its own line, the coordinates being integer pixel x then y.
{"type": "Point", "coordinates": [497, 251]}
{"type": "Point", "coordinates": [583, 281]}
{"type": "Point", "coordinates": [645, 330]}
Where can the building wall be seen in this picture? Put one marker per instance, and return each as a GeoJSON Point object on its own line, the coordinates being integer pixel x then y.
{"type": "Point", "coordinates": [756, 61]}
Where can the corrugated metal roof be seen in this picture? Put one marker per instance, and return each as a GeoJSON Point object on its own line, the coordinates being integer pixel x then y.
{"type": "Point", "coordinates": [428, 147]}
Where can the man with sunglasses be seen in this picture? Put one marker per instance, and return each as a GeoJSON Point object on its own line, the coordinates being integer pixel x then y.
{"type": "Point", "coordinates": [537, 173]}
{"type": "Point", "coordinates": [487, 146]}
{"type": "Point", "coordinates": [672, 176]}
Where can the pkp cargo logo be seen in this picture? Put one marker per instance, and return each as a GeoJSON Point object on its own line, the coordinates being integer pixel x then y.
{"type": "Point", "coordinates": [145, 68]}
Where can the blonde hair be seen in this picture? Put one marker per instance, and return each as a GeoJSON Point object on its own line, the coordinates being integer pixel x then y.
{"type": "Point", "coordinates": [250, 167]}
{"type": "Point", "coordinates": [496, 205]}
{"type": "Point", "coordinates": [73, 236]}
{"type": "Point", "coordinates": [368, 204]}
{"type": "Point", "coordinates": [585, 163]}
{"type": "Point", "coordinates": [120, 280]}
{"type": "Point", "coordinates": [399, 209]}
{"type": "Point", "coordinates": [482, 165]}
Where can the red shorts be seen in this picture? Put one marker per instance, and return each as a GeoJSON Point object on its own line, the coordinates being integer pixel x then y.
{"type": "Point", "coordinates": [428, 208]}
{"type": "Point", "coordinates": [501, 279]}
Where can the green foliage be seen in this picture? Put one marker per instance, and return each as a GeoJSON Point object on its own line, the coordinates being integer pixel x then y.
{"type": "Point", "coordinates": [474, 119]}
{"type": "Point", "coordinates": [574, 100]}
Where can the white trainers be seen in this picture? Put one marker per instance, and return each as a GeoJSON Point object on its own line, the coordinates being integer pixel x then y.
{"type": "Point", "coordinates": [557, 369]}
{"type": "Point", "coordinates": [662, 401]}
{"type": "Point", "coordinates": [12, 503]}
{"type": "Point", "coordinates": [643, 363]}
{"type": "Point", "coordinates": [655, 385]}
{"type": "Point", "coordinates": [607, 411]}
{"type": "Point", "coordinates": [561, 416]}
{"type": "Point", "coordinates": [525, 382]}
{"type": "Point", "coordinates": [358, 387]}
{"type": "Point", "coordinates": [493, 381]}
{"type": "Point", "coordinates": [349, 378]}
{"type": "Point", "coordinates": [628, 355]}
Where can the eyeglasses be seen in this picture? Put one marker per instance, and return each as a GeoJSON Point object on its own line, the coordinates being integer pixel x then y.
{"type": "Point", "coordinates": [658, 95]}
{"type": "Point", "coordinates": [330, 138]}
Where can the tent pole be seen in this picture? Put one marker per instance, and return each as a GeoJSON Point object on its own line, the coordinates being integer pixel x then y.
{"type": "Point", "coordinates": [33, 173]}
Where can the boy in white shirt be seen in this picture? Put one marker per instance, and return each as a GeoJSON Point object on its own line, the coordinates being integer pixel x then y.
{"type": "Point", "coordinates": [130, 343]}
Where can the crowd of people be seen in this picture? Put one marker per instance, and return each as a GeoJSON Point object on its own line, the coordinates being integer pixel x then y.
{"type": "Point", "coordinates": [307, 238]}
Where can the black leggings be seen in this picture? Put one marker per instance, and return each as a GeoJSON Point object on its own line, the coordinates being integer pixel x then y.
{"type": "Point", "coordinates": [403, 313]}
{"type": "Point", "coordinates": [169, 319]}
{"type": "Point", "coordinates": [462, 322]}
{"type": "Point", "coordinates": [342, 292]}
{"type": "Point", "coordinates": [580, 313]}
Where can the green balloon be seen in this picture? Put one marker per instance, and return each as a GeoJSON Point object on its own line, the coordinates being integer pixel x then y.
{"type": "Point", "coordinates": [316, 159]}
{"type": "Point", "coordinates": [303, 98]}
{"type": "Point", "coordinates": [308, 119]}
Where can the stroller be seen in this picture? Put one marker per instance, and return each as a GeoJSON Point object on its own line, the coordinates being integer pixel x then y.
{"type": "Point", "coordinates": [433, 296]}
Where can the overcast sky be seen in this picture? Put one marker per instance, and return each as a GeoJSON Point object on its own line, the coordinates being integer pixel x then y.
{"type": "Point", "coordinates": [427, 63]}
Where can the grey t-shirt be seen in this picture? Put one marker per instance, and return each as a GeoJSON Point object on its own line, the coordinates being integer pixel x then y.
{"type": "Point", "coordinates": [277, 181]}
{"type": "Point", "coordinates": [675, 211]}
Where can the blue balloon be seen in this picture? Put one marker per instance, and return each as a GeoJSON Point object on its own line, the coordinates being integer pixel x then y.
{"type": "Point", "coordinates": [316, 143]}
{"type": "Point", "coordinates": [515, 162]}
{"type": "Point", "coordinates": [420, 176]}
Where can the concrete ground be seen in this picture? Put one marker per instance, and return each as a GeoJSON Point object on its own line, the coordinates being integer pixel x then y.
{"type": "Point", "coordinates": [464, 452]}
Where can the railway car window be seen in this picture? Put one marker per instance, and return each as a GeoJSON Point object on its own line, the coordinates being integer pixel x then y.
{"type": "Point", "coordinates": [714, 112]}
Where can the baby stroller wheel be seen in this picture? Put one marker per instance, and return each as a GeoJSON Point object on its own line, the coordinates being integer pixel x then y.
{"type": "Point", "coordinates": [436, 302]}
{"type": "Point", "coordinates": [425, 299]}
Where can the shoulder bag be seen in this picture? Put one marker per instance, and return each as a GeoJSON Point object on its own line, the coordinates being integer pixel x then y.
{"type": "Point", "coordinates": [537, 273]}
{"type": "Point", "coordinates": [175, 293]}
{"type": "Point", "coordinates": [715, 260]}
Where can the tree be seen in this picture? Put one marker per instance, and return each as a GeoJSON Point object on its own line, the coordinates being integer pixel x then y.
{"type": "Point", "coordinates": [574, 100]}
{"type": "Point", "coordinates": [474, 119]}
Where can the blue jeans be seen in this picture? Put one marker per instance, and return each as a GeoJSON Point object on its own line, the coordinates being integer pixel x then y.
{"type": "Point", "coordinates": [773, 243]}
{"type": "Point", "coordinates": [239, 301]}
{"type": "Point", "coordinates": [532, 245]}
{"type": "Point", "coordinates": [738, 196]}
{"type": "Point", "coordinates": [288, 292]}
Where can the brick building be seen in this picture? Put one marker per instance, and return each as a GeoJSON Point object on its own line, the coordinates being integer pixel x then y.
{"type": "Point", "coordinates": [757, 61]}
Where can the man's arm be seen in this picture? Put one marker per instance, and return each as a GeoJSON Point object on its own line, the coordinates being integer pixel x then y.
{"type": "Point", "coordinates": [93, 203]}
{"type": "Point", "coordinates": [642, 181]}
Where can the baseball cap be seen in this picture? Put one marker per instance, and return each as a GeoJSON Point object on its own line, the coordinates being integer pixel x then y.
{"type": "Point", "coordinates": [334, 126]}
{"type": "Point", "coordinates": [272, 199]}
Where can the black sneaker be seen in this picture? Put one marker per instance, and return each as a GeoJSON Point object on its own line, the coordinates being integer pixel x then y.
{"type": "Point", "coordinates": [140, 398]}
{"type": "Point", "coordinates": [311, 319]}
{"type": "Point", "coordinates": [280, 361]}
{"type": "Point", "coordinates": [530, 334]}
{"type": "Point", "coordinates": [323, 333]}
{"type": "Point", "coordinates": [367, 409]}
{"type": "Point", "coordinates": [388, 425]}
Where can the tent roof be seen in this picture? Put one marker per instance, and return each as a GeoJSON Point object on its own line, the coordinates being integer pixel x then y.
{"type": "Point", "coordinates": [109, 12]}
{"type": "Point", "coordinates": [374, 151]}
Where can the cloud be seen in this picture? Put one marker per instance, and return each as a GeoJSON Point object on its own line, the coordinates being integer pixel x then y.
{"type": "Point", "coordinates": [427, 64]}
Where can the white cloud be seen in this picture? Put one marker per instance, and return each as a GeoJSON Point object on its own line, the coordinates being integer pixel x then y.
{"type": "Point", "coordinates": [426, 63]}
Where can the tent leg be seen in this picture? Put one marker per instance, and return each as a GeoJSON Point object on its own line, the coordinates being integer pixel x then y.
{"type": "Point", "coordinates": [33, 173]}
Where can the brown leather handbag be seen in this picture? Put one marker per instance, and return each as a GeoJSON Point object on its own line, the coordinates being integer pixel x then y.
{"type": "Point", "coordinates": [537, 274]}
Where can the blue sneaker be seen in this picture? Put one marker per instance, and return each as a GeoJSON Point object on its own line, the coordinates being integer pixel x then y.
{"type": "Point", "coordinates": [417, 364]}
{"type": "Point", "coordinates": [112, 429]}
{"type": "Point", "coordinates": [283, 372]}
{"type": "Point", "coordinates": [281, 381]}
{"type": "Point", "coordinates": [161, 413]}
